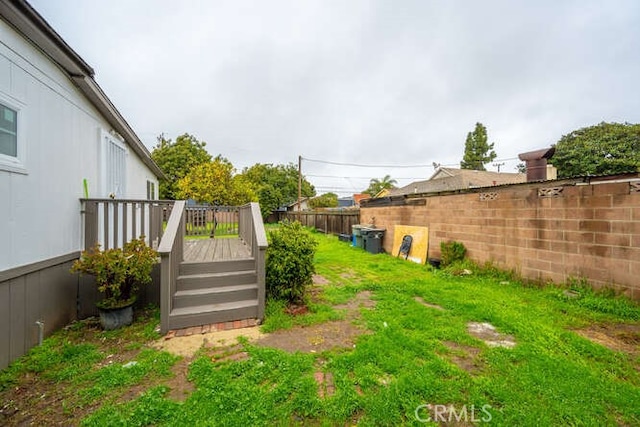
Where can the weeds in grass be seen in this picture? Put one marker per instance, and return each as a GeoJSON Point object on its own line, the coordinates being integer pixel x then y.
{"type": "Point", "coordinates": [553, 376]}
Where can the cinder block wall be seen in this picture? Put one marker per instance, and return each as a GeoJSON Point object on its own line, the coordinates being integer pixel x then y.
{"type": "Point", "coordinates": [545, 231]}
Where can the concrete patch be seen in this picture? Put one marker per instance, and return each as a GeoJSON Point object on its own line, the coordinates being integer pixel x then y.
{"type": "Point", "coordinates": [488, 333]}
{"type": "Point", "coordinates": [188, 345]}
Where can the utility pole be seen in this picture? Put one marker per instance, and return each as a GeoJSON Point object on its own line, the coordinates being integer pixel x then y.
{"type": "Point", "coordinates": [497, 165]}
{"type": "Point", "coordinates": [299, 186]}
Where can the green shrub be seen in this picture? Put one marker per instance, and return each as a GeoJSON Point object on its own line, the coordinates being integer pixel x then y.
{"type": "Point", "coordinates": [451, 252]}
{"type": "Point", "coordinates": [289, 266]}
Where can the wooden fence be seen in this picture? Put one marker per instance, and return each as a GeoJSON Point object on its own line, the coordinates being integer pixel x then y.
{"type": "Point", "coordinates": [211, 221]}
{"type": "Point", "coordinates": [330, 222]}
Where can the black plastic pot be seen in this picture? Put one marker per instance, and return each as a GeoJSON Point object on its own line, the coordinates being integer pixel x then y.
{"type": "Point", "coordinates": [114, 318]}
{"type": "Point", "coordinates": [434, 262]}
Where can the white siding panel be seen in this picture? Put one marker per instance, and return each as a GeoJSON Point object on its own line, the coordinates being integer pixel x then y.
{"type": "Point", "coordinates": [5, 216]}
{"type": "Point", "coordinates": [5, 75]}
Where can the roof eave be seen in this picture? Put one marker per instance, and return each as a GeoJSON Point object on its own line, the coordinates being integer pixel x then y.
{"type": "Point", "coordinates": [28, 22]}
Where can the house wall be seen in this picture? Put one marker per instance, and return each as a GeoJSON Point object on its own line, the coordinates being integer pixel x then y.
{"type": "Point", "coordinates": [40, 218]}
{"type": "Point", "coordinates": [50, 294]}
{"type": "Point", "coordinates": [545, 232]}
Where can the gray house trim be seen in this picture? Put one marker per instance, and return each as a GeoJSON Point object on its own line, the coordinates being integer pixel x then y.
{"type": "Point", "coordinates": [23, 270]}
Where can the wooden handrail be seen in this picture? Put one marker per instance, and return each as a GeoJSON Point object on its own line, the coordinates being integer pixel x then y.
{"type": "Point", "coordinates": [171, 250]}
{"type": "Point", "coordinates": [251, 231]}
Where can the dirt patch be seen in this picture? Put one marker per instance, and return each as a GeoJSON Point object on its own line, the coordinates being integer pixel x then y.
{"type": "Point", "coordinates": [180, 386]}
{"type": "Point", "coordinates": [488, 333]}
{"type": "Point", "coordinates": [314, 339]}
{"type": "Point", "coordinates": [428, 304]}
{"type": "Point", "coordinates": [617, 337]}
{"type": "Point", "coordinates": [349, 275]}
{"type": "Point", "coordinates": [326, 386]}
{"type": "Point", "coordinates": [353, 306]}
{"type": "Point", "coordinates": [325, 336]}
{"type": "Point", "coordinates": [463, 356]}
{"type": "Point", "coordinates": [319, 280]}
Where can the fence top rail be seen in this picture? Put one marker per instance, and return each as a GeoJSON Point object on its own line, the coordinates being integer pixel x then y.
{"type": "Point", "coordinates": [109, 200]}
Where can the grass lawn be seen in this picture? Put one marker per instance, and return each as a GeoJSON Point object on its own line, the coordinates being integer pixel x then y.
{"type": "Point", "coordinates": [417, 359]}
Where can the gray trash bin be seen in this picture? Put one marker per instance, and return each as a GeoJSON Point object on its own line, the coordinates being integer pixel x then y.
{"type": "Point", "coordinates": [372, 239]}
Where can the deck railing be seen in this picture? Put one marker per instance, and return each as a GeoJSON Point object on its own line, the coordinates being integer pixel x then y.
{"type": "Point", "coordinates": [251, 231]}
{"type": "Point", "coordinates": [171, 250]}
{"type": "Point", "coordinates": [113, 222]}
{"type": "Point", "coordinates": [212, 221]}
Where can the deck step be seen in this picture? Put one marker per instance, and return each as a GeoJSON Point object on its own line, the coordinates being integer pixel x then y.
{"type": "Point", "coordinates": [212, 313]}
{"type": "Point", "coordinates": [189, 268]}
{"type": "Point", "coordinates": [215, 295]}
{"type": "Point", "coordinates": [211, 280]}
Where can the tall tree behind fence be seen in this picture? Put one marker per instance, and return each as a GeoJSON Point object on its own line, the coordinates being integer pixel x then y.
{"type": "Point", "coordinates": [328, 222]}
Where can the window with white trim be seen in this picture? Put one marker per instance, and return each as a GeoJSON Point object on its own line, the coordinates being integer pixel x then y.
{"type": "Point", "coordinates": [11, 136]}
{"type": "Point", "coordinates": [114, 165]}
{"type": "Point", "coordinates": [151, 190]}
{"type": "Point", "coordinates": [8, 131]}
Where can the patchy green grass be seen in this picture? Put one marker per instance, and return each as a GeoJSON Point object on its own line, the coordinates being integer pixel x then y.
{"type": "Point", "coordinates": [412, 358]}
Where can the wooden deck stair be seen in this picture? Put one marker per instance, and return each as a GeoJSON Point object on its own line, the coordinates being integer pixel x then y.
{"type": "Point", "coordinates": [215, 280]}
{"type": "Point", "coordinates": [214, 292]}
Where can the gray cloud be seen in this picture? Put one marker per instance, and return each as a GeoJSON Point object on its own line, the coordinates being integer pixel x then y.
{"type": "Point", "coordinates": [376, 82]}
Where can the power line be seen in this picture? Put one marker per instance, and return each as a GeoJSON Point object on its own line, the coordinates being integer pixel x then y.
{"type": "Point", "coordinates": [360, 165]}
{"type": "Point", "coordinates": [363, 166]}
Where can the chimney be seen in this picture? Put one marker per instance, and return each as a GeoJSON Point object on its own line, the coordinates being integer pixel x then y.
{"type": "Point", "coordinates": [536, 162]}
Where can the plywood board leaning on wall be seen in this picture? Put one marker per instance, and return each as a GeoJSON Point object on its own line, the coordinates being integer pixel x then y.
{"type": "Point", "coordinates": [419, 246]}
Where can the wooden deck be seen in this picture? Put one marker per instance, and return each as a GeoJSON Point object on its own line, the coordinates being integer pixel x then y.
{"type": "Point", "coordinates": [202, 250]}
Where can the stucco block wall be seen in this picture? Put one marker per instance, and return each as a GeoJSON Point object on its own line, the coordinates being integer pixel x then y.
{"type": "Point", "coordinates": [546, 232]}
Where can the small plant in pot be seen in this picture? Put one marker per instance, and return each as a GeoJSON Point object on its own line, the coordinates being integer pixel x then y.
{"type": "Point", "coordinates": [119, 273]}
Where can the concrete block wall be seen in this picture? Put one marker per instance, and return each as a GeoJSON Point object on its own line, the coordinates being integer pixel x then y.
{"type": "Point", "coordinates": [546, 231]}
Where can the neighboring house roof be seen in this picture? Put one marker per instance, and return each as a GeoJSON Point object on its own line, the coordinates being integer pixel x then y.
{"type": "Point", "coordinates": [383, 193]}
{"type": "Point", "coordinates": [450, 179]}
{"type": "Point", "coordinates": [28, 22]}
{"type": "Point", "coordinates": [303, 201]}
{"type": "Point", "coordinates": [359, 197]}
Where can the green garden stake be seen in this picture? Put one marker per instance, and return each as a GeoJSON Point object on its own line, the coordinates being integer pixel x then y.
{"type": "Point", "coordinates": [86, 188]}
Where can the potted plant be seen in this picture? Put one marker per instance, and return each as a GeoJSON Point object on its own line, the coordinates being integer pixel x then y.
{"type": "Point", "coordinates": [118, 272]}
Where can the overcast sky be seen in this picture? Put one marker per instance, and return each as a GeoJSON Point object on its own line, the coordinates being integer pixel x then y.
{"type": "Point", "coordinates": [368, 82]}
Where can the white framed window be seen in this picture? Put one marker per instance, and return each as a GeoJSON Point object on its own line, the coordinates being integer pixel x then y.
{"type": "Point", "coordinates": [151, 190]}
{"type": "Point", "coordinates": [113, 164]}
{"type": "Point", "coordinates": [12, 145]}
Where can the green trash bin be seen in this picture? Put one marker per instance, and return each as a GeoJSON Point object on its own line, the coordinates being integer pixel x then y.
{"type": "Point", "coordinates": [357, 236]}
{"type": "Point", "coordinates": [372, 240]}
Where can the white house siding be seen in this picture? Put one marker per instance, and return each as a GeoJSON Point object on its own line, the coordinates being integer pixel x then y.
{"type": "Point", "coordinates": [40, 209]}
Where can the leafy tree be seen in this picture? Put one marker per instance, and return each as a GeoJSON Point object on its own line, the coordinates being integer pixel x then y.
{"type": "Point", "coordinates": [603, 149]}
{"type": "Point", "coordinates": [377, 185]}
{"type": "Point", "coordinates": [176, 159]}
{"type": "Point", "coordinates": [327, 200]}
{"type": "Point", "coordinates": [477, 150]}
{"type": "Point", "coordinates": [276, 185]}
{"type": "Point", "coordinates": [214, 183]}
